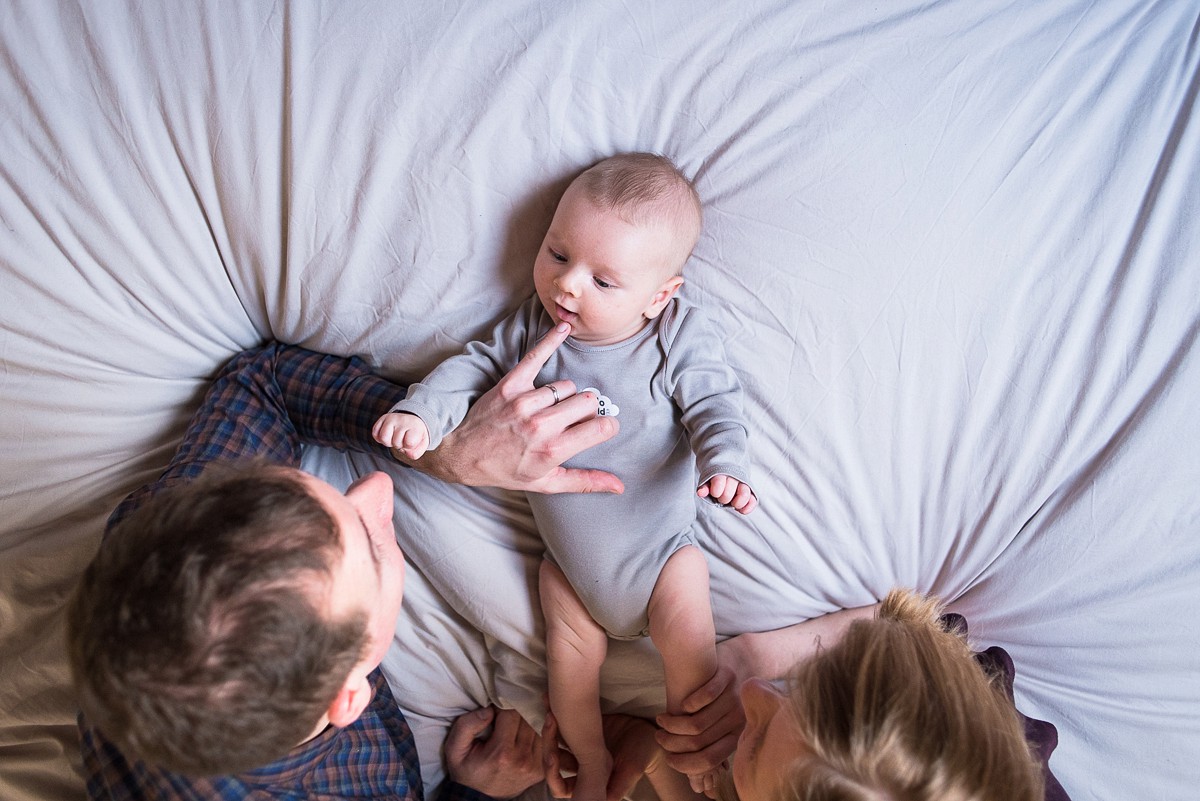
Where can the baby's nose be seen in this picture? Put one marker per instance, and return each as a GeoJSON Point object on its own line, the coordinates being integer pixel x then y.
{"type": "Point", "coordinates": [568, 282]}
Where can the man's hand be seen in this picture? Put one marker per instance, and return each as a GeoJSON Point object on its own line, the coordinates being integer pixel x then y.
{"type": "Point", "coordinates": [503, 764]}
{"type": "Point", "coordinates": [517, 436]}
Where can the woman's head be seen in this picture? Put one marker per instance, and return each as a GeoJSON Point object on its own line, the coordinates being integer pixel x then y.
{"type": "Point", "coordinates": [897, 709]}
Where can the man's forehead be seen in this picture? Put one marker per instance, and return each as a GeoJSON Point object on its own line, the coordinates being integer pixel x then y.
{"type": "Point", "coordinates": [319, 488]}
{"type": "Point", "coordinates": [332, 500]}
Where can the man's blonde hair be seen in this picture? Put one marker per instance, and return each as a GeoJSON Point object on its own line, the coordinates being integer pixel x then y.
{"type": "Point", "coordinates": [646, 188]}
{"type": "Point", "coordinates": [899, 709]}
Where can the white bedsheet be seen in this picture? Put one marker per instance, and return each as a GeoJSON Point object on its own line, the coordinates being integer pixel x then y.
{"type": "Point", "coordinates": [954, 247]}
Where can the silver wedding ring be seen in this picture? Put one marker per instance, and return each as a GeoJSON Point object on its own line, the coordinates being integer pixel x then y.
{"type": "Point", "coordinates": [553, 391]}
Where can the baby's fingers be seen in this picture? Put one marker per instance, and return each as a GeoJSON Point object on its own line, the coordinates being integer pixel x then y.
{"type": "Point", "coordinates": [382, 430]}
{"type": "Point", "coordinates": [713, 488]}
{"type": "Point", "coordinates": [744, 500]}
{"type": "Point", "coordinates": [723, 489]}
{"type": "Point", "coordinates": [407, 435]}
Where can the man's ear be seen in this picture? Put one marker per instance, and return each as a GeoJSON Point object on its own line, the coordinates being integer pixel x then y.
{"type": "Point", "coordinates": [664, 294]}
{"type": "Point", "coordinates": [350, 701]}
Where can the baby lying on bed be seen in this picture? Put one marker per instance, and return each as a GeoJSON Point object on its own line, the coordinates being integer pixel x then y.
{"type": "Point", "coordinates": [609, 267]}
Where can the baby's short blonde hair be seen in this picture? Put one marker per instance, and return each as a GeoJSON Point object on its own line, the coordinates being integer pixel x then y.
{"type": "Point", "coordinates": [646, 188]}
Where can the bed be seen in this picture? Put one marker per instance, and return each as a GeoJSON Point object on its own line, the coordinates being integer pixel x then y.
{"type": "Point", "coordinates": [953, 248]}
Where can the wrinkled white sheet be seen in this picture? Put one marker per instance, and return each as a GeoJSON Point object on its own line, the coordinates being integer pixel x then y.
{"type": "Point", "coordinates": [953, 246]}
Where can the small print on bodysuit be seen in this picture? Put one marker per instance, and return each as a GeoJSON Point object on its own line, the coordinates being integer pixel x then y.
{"type": "Point", "coordinates": [605, 406]}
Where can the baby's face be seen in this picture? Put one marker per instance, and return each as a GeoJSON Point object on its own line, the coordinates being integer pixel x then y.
{"type": "Point", "coordinates": [604, 276]}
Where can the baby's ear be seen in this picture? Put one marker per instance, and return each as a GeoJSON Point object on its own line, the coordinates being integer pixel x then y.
{"type": "Point", "coordinates": [664, 294]}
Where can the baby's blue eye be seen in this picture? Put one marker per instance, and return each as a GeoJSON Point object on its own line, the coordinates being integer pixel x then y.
{"type": "Point", "coordinates": [558, 257]}
{"type": "Point", "coordinates": [602, 283]}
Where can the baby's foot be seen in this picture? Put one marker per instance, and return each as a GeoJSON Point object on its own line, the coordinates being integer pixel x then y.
{"type": "Point", "coordinates": [707, 783]}
{"type": "Point", "coordinates": [591, 782]}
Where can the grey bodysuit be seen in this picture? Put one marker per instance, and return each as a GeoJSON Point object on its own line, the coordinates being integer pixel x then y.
{"type": "Point", "coordinates": [673, 393]}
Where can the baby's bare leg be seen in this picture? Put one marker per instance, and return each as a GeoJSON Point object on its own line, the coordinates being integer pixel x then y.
{"type": "Point", "coordinates": [575, 649]}
{"type": "Point", "coordinates": [681, 625]}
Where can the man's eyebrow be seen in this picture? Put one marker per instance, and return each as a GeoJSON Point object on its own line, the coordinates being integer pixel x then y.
{"type": "Point", "coordinates": [370, 544]}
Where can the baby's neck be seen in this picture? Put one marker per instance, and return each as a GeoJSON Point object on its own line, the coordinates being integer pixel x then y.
{"type": "Point", "coordinates": [604, 343]}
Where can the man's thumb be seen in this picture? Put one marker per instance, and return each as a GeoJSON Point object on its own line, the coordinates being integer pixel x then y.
{"type": "Point", "coordinates": [466, 729]}
{"type": "Point", "coordinates": [574, 479]}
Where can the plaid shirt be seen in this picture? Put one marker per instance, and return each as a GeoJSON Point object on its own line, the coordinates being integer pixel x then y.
{"type": "Point", "coordinates": [265, 403]}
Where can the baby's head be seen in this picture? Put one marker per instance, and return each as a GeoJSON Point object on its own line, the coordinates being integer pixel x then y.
{"type": "Point", "coordinates": [647, 189]}
{"type": "Point", "coordinates": [615, 251]}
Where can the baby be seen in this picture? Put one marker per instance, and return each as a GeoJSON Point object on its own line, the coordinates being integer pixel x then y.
{"type": "Point", "coordinates": [615, 566]}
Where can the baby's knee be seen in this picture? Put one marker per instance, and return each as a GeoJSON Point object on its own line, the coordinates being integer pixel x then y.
{"type": "Point", "coordinates": [687, 564]}
{"type": "Point", "coordinates": [683, 578]}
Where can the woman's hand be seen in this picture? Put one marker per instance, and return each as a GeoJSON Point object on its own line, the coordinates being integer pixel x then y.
{"type": "Point", "coordinates": [701, 740]}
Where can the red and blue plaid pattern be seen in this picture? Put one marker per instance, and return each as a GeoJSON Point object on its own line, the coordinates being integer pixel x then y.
{"type": "Point", "coordinates": [265, 403]}
{"type": "Point", "coordinates": [268, 401]}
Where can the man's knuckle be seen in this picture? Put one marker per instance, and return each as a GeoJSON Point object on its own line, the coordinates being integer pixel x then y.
{"type": "Point", "coordinates": [525, 405]}
{"type": "Point", "coordinates": [551, 452]}
{"type": "Point", "coordinates": [540, 432]}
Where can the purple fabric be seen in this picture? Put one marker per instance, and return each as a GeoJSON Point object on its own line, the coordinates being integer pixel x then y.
{"type": "Point", "coordinates": [1041, 735]}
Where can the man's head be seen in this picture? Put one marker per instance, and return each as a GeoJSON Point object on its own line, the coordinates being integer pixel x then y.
{"type": "Point", "coordinates": [614, 253]}
{"type": "Point", "coordinates": [229, 619]}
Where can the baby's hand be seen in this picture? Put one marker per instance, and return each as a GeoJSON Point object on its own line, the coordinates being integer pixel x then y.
{"type": "Point", "coordinates": [728, 491]}
{"type": "Point", "coordinates": [403, 432]}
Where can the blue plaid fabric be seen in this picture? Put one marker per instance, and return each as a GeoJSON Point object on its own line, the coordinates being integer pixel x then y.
{"type": "Point", "coordinates": [265, 403]}
{"type": "Point", "coordinates": [268, 401]}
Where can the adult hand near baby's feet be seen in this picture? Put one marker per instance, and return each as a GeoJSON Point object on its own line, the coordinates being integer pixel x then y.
{"type": "Point", "coordinates": [504, 763]}
{"type": "Point", "coordinates": [635, 753]}
{"type": "Point", "coordinates": [701, 739]}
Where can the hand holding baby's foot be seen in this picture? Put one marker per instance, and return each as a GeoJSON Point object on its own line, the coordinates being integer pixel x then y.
{"type": "Point", "coordinates": [402, 432]}
{"type": "Point", "coordinates": [728, 491]}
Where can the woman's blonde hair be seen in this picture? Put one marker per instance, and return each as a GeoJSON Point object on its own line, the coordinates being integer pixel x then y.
{"type": "Point", "coordinates": [899, 709]}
